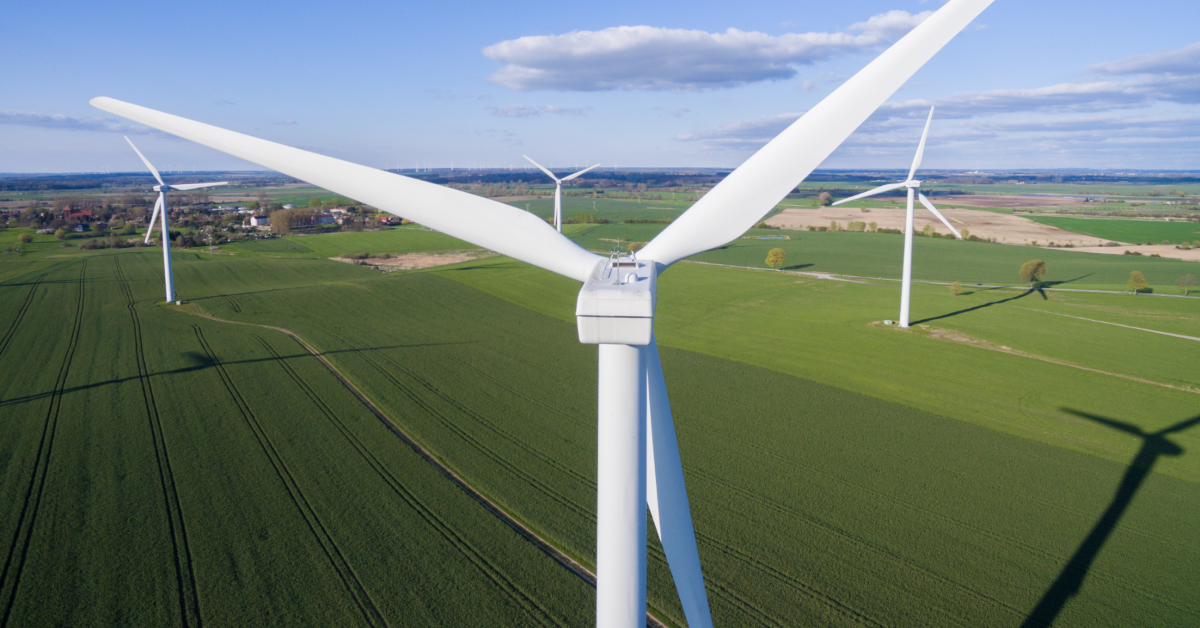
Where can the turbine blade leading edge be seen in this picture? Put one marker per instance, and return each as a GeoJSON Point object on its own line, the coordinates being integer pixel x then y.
{"type": "Point", "coordinates": [930, 207]}
{"type": "Point", "coordinates": [486, 223]}
{"type": "Point", "coordinates": [757, 186]}
{"type": "Point", "coordinates": [145, 161]}
{"type": "Point", "coordinates": [912, 172]}
{"type": "Point", "coordinates": [666, 495]}
{"type": "Point", "coordinates": [879, 190]}
{"type": "Point", "coordinates": [569, 177]}
{"type": "Point", "coordinates": [158, 203]}
{"type": "Point", "coordinates": [542, 168]}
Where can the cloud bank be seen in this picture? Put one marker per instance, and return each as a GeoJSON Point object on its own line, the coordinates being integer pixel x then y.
{"type": "Point", "coordinates": [526, 111]}
{"type": "Point", "coordinates": [60, 121]}
{"type": "Point", "coordinates": [653, 58]}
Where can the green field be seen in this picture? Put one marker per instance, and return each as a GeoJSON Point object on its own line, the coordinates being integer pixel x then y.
{"type": "Point", "coordinates": [840, 473]}
{"type": "Point", "coordinates": [1132, 231]}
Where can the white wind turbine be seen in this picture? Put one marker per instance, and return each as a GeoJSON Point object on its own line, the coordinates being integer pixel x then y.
{"type": "Point", "coordinates": [637, 453]}
{"type": "Point", "coordinates": [558, 189]}
{"type": "Point", "coordinates": [160, 208]}
{"type": "Point", "coordinates": [914, 189]}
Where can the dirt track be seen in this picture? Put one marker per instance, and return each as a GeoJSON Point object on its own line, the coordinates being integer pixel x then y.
{"type": "Point", "coordinates": [1004, 227]}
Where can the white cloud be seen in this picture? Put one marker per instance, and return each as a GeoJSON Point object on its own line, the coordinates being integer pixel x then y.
{"type": "Point", "coordinates": [653, 58]}
{"type": "Point", "coordinates": [287, 122]}
{"type": "Point", "coordinates": [526, 111]}
{"type": "Point", "coordinates": [60, 121]}
{"type": "Point", "coordinates": [1184, 60]}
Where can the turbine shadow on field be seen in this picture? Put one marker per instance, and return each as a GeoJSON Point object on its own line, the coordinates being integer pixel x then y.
{"type": "Point", "coordinates": [978, 307]}
{"type": "Point", "coordinates": [1070, 580]}
{"type": "Point", "coordinates": [200, 362]}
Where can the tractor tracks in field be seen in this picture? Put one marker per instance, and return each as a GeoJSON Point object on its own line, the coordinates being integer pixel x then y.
{"type": "Point", "coordinates": [16, 320]}
{"type": "Point", "coordinates": [185, 575]}
{"type": "Point", "coordinates": [14, 564]}
{"type": "Point", "coordinates": [530, 605]}
{"type": "Point", "coordinates": [541, 543]}
{"type": "Point", "coordinates": [337, 559]}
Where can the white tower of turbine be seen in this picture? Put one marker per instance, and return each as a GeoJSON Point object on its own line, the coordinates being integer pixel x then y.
{"type": "Point", "coordinates": [914, 190]}
{"type": "Point", "coordinates": [160, 208]}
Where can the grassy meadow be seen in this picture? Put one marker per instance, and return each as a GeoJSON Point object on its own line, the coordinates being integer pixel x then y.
{"type": "Point", "coordinates": [983, 468]}
{"type": "Point", "coordinates": [1138, 231]}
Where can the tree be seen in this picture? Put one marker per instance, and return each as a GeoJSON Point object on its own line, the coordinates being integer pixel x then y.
{"type": "Point", "coordinates": [1137, 282]}
{"type": "Point", "coordinates": [965, 233]}
{"type": "Point", "coordinates": [26, 238]}
{"type": "Point", "coordinates": [824, 199]}
{"type": "Point", "coordinates": [874, 226]}
{"type": "Point", "coordinates": [956, 288]}
{"type": "Point", "coordinates": [928, 231]}
{"type": "Point", "coordinates": [129, 229]}
{"type": "Point", "coordinates": [60, 233]}
{"type": "Point", "coordinates": [1187, 282]}
{"type": "Point", "coordinates": [833, 226]}
{"type": "Point", "coordinates": [776, 258]}
{"type": "Point", "coordinates": [314, 202]}
{"type": "Point", "coordinates": [1033, 271]}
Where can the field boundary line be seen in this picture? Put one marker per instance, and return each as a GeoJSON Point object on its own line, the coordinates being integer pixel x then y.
{"type": "Point", "coordinates": [16, 320]}
{"type": "Point", "coordinates": [1092, 320]}
{"type": "Point", "coordinates": [23, 537]}
{"type": "Point", "coordinates": [838, 277]}
{"type": "Point", "coordinates": [528, 534]}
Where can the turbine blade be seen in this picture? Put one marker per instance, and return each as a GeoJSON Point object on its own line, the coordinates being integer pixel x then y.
{"type": "Point", "coordinates": [153, 217]}
{"type": "Point", "coordinates": [145, 161]}
{"type": "Point", "coordinates": [569, 177]}
{"type": "Point", "coordinates": [486, 223]}
{"type": "Point", "coordinates": [548, 173]}
{"type": "Point", "coordinates": [757, 186]}
{"type": "Point", "coordinates": [921, 147]}
{"type": "Point", "coordinates": [197, 186]}
{"type": "Point", "coordinates": [930, 207]}
{"type": "Point", "coordinates": [879, 190]}
{"type": "Point", "coordinates": [666, 496]}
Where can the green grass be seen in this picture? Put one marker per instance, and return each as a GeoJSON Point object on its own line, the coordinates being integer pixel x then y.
{"type": "Point", "coordinates": [1134, 231]}
{"type": "Point", "coordinates": [840, 473]}
{"type": "Point", "coordinates": [399, 240]}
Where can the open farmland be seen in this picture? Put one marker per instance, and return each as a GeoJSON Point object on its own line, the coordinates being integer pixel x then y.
{"type": "Point", "coordinates": [1133, 231]}
{"type": "Point", "coordinates": [874, 497]}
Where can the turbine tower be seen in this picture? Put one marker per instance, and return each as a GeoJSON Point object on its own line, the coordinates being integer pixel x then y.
{"type": "Point", "coordinates": [558, 190]}
{"type": "Point", "coordinates": [160, 207]}
{"type": "Point", "coordinates": [914, 190]}
{"type": "Point", "coordinates": [637, 453]}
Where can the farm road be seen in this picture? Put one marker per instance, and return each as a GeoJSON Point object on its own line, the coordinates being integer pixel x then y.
{"type": "Point", "coordinates": [541, 543]}
{"type": "Point", "coordinates": [1153, 331]}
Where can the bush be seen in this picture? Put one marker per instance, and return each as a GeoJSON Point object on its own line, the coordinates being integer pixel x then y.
{"type": "Point", "coordinates": [824, 199]}
{"type": "Point", "coordinates": [856, 226]}
{"type": "Point", "coordinates": [25, 238]}
{"type": "Point", "coordinates": [60, 234]}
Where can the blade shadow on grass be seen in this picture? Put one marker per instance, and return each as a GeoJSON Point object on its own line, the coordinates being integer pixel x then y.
{"type": "Point", "coordinates": [200, 362]}
{"type": "Point", "coordinates": [1070, 580]}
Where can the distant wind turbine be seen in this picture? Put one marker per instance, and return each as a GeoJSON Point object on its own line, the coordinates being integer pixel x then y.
{"type": "Point", "coordinates": [558, 190]}
{"type": "Point", "coordinates": [160, 207]}
{"type": "Point", "coordinates": [914, 189]}
{"type": "Point", "coordinates": [638, 461]}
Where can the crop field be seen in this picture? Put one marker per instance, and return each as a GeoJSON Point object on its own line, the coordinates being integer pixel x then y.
{"type": "Point", "coordinates": [398, 240]}
{"type": "Point", "coordinates": [1153, 231]}
{"type": "Point", "coordinates": [613, 210]}
{"type": "Point", "coordinates": [840, 473]}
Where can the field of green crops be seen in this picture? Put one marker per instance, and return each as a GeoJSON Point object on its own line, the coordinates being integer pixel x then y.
{"type": "Point", "coordinates": [178, 471]}
{"type": "Point", "coordinates": [1133, 231]}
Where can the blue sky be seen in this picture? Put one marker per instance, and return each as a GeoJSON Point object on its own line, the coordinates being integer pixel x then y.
{"type": "Point", "coordinates": [1029, 85]}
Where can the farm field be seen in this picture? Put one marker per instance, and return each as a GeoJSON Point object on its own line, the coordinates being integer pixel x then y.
{"type": "Point", "coordinates": [1152, 231]}
{"type": "Point", "coordinates": [889, 501]}
{"type": "Point", "coordinates": [398, 240]}
{"type": "Point", "coordinates": [934, 259]}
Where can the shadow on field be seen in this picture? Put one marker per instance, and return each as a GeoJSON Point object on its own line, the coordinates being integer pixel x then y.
{"type": "Point", "coordinates": [980, 306]}
{"type": "Point", "coordinates": [1070, 580]}
{"type": "Point", "coordinates": [795, 267]}
{"type": "Point", "coordinates": [201, 361]}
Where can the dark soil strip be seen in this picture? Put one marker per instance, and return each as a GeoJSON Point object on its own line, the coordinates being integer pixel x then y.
{"type": "Point", "coordinates": [337, 559]}
{"type": "Point", "coordinates": [185, 576]}
{"type": "Point", "coordinates": [14, 564]}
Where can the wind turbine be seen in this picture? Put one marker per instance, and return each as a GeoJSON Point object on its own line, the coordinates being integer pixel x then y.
{"type": "Point", "coordinates": [558, 190]}
{"type": "Point", "coordinates": [637, 452]}
{"type": "Point", "coordinates": [914, 189]}
{"type": "Point", "coordinates": [160, 207]}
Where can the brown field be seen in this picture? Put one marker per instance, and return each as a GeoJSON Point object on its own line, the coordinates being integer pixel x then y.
{"type": "Point", "coordinates": [1003, 227]}
{"type": "Point", "coordinates": [990, 200]}
{"type": "Point", "coordinates": [1163, 250]}
{"type": "Point", "coordinates": [413, 261]}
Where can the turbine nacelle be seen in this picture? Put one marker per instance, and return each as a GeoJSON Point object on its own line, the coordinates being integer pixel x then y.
{"type": "Point", "coordinates": [616, 303]}
{"type": "Point", "coordinates": [912, 183]}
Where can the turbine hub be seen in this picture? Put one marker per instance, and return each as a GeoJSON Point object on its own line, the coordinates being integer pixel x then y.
{"type": "Point", "coordinates": [162, 188]}
{"type": "Point", "coordinates": [912, 183]}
